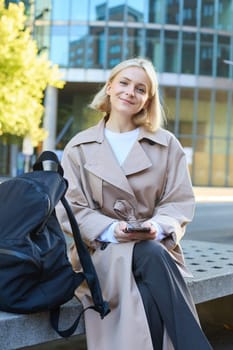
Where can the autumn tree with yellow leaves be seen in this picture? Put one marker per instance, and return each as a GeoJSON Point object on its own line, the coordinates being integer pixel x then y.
{"type": "Point", "coordinates": [24, 76]}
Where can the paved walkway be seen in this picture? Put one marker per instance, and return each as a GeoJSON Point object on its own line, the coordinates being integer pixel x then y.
{"type": "Point", "coordinates": [213, 194]}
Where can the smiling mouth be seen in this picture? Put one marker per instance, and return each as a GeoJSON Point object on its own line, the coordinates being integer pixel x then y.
{"type": "Point", "coordinates": [126, 101]}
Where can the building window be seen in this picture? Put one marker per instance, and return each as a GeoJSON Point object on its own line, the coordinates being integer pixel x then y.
{"type": "Point", "coordinates": [115, 39]}
{"type": "Point", "coordinates": [115, 49]}
{"type": "Point", "coordinates": [78, 10]}
{"type": "Point", "coordinates": [172, 54]}
{"type": "Point", "coordinates": [223, 53]}
{"type": "Point", "coordinates": [59, 45]}
{"type": "Point", "coordinates": [188, 53]}
{"type": "Point", "coordinates": [206, 54]}
{"type": "Point", "coordinates": [172, 12]}
{"type": "Point", "coordinates": [60, 10]}
{"type": "Point", "coordinates": [156, 13]}
{"type": "Point", "coordinates": [207, 14]}
{"type": "Point", "coordinates": [225, 15]}
{"type": "Point", "coordinates": [113, 62]}
{"type": "Point", "coordinates": [154, 47]}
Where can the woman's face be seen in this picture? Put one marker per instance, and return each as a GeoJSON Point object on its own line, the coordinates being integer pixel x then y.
{"type": "Point", "coordinates": [129, 91]}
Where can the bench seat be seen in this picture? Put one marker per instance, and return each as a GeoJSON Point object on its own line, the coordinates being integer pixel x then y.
{"type": "Point", "coordinates": [212, 268]}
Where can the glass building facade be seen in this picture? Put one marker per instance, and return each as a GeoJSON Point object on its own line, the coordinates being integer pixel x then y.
{"type": "Point", "coordinates": [188, 41]}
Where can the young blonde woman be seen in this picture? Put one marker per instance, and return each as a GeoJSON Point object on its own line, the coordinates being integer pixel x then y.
{"type": "Point", "coordinates": [130, 190]}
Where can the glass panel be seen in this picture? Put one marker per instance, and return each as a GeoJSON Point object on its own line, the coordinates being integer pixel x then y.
{"type": "Point", "coordinates": [87, 47]}
{"type": "Point", "coordinates": [203, 114]}
{"type": "Point", "coordinates": [153, 47]}
{"type": "Point", "coordinates": [156, 11]}
{"type": "Point", "coordinates": [59, 45]}
{"type": "Point", "coordinates": [170, 107]}
{"type": "Point", "coordinates": [42, 36]}
{"type": "Point", "coordinates": [73, 106]}
{"type": "Point", "coordinates": [206, 54]}
{"type": "Point", "coordinates": [182, 123]}
{"type": "Point", "coordinates": [188, 53]}
{"type": "Point", "coordinates": [77, 46]}
{"type": "Point", "coordinates": [218, 162]}
{"type": "Point", "coordinates": [60, 10]}
{"type": "Point", "coordinates": [190, 13]}
{"type": "Point", "coordinates": [225, 15]}
{"type": "Point", "coordinates": [79, 10]}
{"type": "Point", "coordinates": [133, 43]}
{"type": "Point", "coordinates": [231, 114]}
{"type": "Point", "coordinates": [180, 118]}
{"type": "Point", "coordinates": [186, 116]}
{"type": "Point", "coordinates": [83, 116]}
{"type": "Point", "coordinates": [201, 128]}
{"type": "Point", "coordinates": [96, 47]}
{"type": "Point", "coordinates": [135, 10]}
{"type": "Point", "coordinates": [223, 54]}
{"type": "Point", "coordinates": [115, 46]}
{"type": "Point", "coordinates": [202, 163]}
{"type": "Point", "coordinates": [207, 13]}
{"type": "Point", "coordinates": [172, 12]}
{"type": "Point", "coordinates": [220, 120]}
{"type": "Point", "coordinates": [98, 10]}
{"type": "Point", "coordinates": [171, 51]}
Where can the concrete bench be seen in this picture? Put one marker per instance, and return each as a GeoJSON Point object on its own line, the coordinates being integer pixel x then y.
{"type": "Point", "coordinates": [210, 263]}
{"type": "Point", "coordinates": [212, 268]}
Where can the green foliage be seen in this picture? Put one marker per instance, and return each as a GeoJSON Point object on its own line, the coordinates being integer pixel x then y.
{"type": "Point", "coordinates": [24, 76]}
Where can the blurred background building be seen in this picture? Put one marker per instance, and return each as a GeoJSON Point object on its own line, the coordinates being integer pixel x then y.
{"type": "Point", "coordinates": [188, 42]}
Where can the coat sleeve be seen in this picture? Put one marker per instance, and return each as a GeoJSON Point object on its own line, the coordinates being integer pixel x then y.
{"type": "Point", "coordinates": [91, 221]}
{"type": "Point", "coordinates": [177, 203]}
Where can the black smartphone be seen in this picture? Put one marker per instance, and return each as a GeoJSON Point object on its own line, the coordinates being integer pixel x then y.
{"type": "Point", "coordinates": [137, 229]}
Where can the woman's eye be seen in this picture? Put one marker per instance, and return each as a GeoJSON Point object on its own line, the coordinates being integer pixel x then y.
{"type": "Point", "coordinates": [123, 83]}
{"type": "Point", "coordinates": [141, 90]}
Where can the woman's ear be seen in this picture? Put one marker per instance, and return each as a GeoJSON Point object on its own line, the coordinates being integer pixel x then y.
{"type": "Point", "coordinates": [108, 88]}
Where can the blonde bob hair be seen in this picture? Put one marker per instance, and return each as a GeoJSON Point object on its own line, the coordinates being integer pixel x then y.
{"type": "Point", "coordinates": [153, 116]}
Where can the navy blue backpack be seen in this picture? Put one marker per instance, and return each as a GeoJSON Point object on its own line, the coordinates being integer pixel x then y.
{"type": "Point", "coordinates": [35, 272]}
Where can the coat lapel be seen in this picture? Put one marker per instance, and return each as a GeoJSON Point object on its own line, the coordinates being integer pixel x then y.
{"type": "Point", "coordinates": [136, 160]}
{"type": "Point", "coordinates": [102, 163]}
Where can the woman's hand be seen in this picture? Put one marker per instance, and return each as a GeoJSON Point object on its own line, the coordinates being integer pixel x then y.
{"type": "Point", "coordinates": [123, 236]}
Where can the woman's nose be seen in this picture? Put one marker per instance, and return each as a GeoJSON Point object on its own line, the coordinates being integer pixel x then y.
{"type": "Point", "coordinates": [130, 90]}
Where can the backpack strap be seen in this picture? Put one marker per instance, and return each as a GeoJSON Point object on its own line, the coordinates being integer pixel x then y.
{"type": "Point", "coordinates": [54, 319]}
{"type": "Point", "coordinates": [89, 273]}
{"type": "Point", "coordinates": [55, 314]}
{"type": "Point", "coordinates": [91, 277]}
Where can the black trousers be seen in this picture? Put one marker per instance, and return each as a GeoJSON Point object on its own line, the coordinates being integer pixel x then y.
{"type": "Point", "coordinates": [166, 298]}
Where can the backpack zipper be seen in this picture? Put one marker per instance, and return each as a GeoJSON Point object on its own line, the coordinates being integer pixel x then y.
{"type": "Point", "coordinates": [38, 186]}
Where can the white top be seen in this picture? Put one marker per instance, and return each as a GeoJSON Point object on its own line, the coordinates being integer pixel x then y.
{"type": "Point", "coordinates": [121, 144]}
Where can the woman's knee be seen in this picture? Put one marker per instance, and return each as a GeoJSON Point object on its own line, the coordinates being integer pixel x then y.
{"type": "Point", "coordinates": [148, 250]}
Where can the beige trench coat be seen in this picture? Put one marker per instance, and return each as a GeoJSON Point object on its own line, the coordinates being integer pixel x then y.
{"type": "Point", "coordinates": [155, 182]}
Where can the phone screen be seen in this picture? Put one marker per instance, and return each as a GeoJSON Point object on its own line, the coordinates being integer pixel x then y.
{"type": "Point", "coordinates": [137, 229]}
